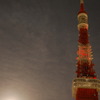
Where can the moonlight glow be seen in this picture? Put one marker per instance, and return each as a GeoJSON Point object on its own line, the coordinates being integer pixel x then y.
{"type": "Point", "coordinates": [10, 98]}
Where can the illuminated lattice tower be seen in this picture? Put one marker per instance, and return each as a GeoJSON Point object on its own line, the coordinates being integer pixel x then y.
{"type": "Point", "coordinates": [86, 86]}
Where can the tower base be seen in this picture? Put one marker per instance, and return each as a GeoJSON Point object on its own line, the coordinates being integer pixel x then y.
{"type": "Point", "coordinates": [86, 94]}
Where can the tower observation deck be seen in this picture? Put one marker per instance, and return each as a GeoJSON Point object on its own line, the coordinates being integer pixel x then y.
{"type": "Point", "coordinates": [86, 85]}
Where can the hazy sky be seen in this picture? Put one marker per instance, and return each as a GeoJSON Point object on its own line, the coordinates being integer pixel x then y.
{"type": "Point", "coordinates": [38, 44]}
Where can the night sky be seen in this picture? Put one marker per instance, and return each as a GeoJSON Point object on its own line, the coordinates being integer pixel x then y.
{"type": "Point", "coordinates": [38, 44]}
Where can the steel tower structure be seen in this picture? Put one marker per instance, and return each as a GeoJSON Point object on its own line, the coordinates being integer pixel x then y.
{"type": "Point", "coordinates": [86, 86]}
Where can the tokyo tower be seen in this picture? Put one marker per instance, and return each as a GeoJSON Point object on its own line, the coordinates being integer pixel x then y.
{"type": "Point", "coordinates": [86, 85]}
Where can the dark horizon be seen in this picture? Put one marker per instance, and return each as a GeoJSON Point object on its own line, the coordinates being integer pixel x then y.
{"type": "Point", "coordinates": [38, 45]}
